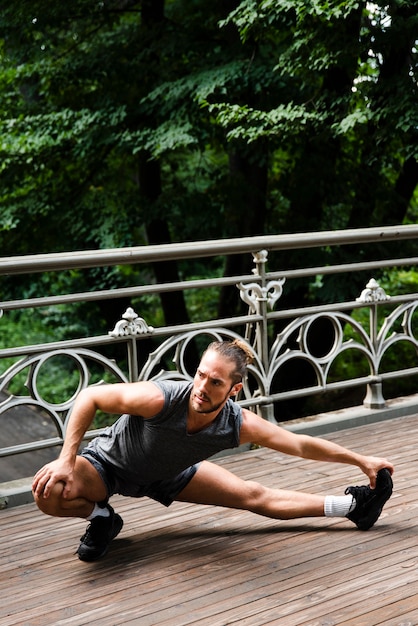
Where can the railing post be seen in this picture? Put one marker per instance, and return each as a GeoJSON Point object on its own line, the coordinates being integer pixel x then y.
{"type": "Point", "coordinates": [374, 397]}
{"type": "Point", "coordinates": [371, 295]}
{"type": "Point", "coordinates": [259, 296]}
{"type": "Point", "coordinates": [132, 360]}
{"type": "Point", "coordinates": [260, 259]}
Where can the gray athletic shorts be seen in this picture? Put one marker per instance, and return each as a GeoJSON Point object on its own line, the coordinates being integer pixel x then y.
{"type": "Point", "coordinates": [163, 491]}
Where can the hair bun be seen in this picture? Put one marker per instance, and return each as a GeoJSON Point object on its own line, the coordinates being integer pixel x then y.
{"type": "Point", "coordinates": [249, 355]}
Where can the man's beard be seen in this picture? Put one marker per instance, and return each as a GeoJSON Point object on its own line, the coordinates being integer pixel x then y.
{"type": "Point", "coordinates": [213, 407]}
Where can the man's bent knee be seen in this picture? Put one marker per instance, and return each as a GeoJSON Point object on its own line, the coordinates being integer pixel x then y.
{"type": "Point", "coordinates": [58, 506]}
{"type": "Point", "coordinates": [52, 505]}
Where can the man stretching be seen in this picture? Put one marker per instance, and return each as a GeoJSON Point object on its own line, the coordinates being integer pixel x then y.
{"type": "Point", "coordinates": [158, 447]}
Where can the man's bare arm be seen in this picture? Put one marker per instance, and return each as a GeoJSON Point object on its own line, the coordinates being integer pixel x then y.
{"type": "Point", "coordinates": [142, 398]}
{"type": "Point", "coordinates": [257, 430]}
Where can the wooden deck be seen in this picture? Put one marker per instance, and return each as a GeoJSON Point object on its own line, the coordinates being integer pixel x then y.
{"type": "Point", "coordinates": [209, 566]}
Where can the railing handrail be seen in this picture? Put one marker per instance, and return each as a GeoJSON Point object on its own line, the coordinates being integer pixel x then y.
{"type": "Point", "coordinates": [188, 250]}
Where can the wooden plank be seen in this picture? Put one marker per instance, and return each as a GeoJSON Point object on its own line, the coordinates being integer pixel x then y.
{"type": "Point", "coordinates": [190, 564]}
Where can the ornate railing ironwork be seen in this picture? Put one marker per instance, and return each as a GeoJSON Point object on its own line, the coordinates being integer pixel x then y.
{"type": "Point", "coordinates": [274, 350]}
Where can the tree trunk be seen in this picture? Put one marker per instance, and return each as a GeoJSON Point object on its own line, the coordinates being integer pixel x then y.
{"type": "Point", "coordinates": [173, 304]}
{"type": "Point", "coordinates": [245, 217]}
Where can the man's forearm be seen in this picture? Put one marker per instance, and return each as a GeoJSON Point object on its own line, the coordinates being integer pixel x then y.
{"type": "Point", "coordinates": [319, 449]}
{"type": "Point", "coordinates": [81, 418]}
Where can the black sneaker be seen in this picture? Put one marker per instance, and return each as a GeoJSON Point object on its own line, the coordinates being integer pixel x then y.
{"type": "Point", "coordinates": [95, 542]}
{"type": "Point", "coordinates": [370, 502]}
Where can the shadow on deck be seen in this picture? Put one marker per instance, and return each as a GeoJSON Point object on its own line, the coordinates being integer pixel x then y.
{"type": "Point", "coordinates": [208, 566]}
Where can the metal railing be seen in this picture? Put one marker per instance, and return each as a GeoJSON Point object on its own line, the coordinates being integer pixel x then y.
{"type": "Point", "coordinates": [277, 337]}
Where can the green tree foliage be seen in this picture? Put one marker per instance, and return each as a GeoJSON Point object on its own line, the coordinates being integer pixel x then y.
{"type": "Point", "coordinates": [127, 122]}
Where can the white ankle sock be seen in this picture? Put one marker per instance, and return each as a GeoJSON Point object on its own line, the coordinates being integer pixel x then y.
{"type": "Point", "coordinates": [339, 506]}
{"type": "Point", "coordinates": [98, 511]}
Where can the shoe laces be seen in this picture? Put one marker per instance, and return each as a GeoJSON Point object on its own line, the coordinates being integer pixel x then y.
{"type": "Point", "coordinates": [84, 538]}
{"type": "Point", "coordinates": [360, 494]}
{"type": "Point", "coordinates": [94, 530]}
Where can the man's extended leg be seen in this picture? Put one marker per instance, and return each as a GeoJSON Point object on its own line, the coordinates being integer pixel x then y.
{"type": "Point", "coordinates": [215, 485]}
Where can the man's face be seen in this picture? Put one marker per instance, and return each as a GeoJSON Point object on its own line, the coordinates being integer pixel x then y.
{"type": "Point", "coordinates": [212, 383]}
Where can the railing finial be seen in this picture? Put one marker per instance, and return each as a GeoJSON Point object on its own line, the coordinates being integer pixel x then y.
{"type": "Point", "coordinates": [373, 293]}
{"type": "Point", "coordinates": [131, 324]}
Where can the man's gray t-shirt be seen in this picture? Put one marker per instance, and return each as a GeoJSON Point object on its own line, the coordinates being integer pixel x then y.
{"type": "Point", "coordinates": [147, 450]}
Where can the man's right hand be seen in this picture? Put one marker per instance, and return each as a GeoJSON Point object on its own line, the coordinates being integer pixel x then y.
{"type": "Point", "coordinates": [52, 473]}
